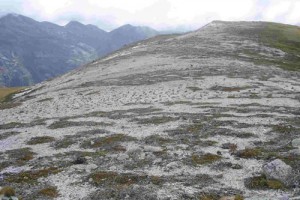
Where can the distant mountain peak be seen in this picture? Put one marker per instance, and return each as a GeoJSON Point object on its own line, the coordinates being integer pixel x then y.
{"type": "Point", "coordinates": [12, 15]}
{"type": "Point", "coordinates": [74, 24]}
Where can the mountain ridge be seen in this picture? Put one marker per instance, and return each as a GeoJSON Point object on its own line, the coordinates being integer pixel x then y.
{"type": "Point", "coordinates": [27, 47]}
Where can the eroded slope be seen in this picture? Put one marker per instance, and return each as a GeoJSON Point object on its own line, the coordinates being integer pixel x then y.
{"type": "Point", "coordinates": [174, 117]}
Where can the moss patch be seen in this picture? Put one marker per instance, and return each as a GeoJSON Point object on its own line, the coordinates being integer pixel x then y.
{"type": "Point", "coordinates": [22, 125]}
{"type": "Point", "coordinates": [7, 191]}
{"type": "Point", "coordinates": [283, 128]}
{"type": "Point", "coordinates": [49, 192]}
{"type": "Point", "coordinates": [8, 134]}
{"type": "Point", "coordinates": [67, 141]}
{"type": "Point", "coordinates": [66, 124]}
{"type": "Point", "coordinates": [249, 153]}
{"type": "Point", "coordinates": [114, 178]}
{"type": "Point", "coordinates": [40, 140]}
{"type": "Point", "coordinates": [20, 156]}
{"type": "Point", "coordinates": [108, 141]}
{"type": "Point", "coordinates": [261, 182]}
{"type": "Point", "coordinates": [205, 159]}
{"type": "Point", "coordinates": [209, 197]}
{"type": "Point", "coordinates": [31, 177]}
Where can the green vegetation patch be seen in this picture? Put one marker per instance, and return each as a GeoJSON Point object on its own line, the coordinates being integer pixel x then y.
{"type": "Point", "coordinates": [65, 124]}
{"type": "Point", "coordinates": [20, 156]}
{"type": "Point", "coordinates": [40, 140]}
{"type": "Point", "coordinates": [218, 197]}
{"type": "Point", "coordinates": [31, 177]}
{"type": "Point", "coordinates": [12, 125]}
{"type": "Point", "coordinates": [249, 153]}
{"type": "Point", "coordinates": [194, 128]}
{"type": "Point", "coordinates": [283, 128]}
{"type": "Point", "coordinates": [115, 179]}
{"type": "Point", "coordinates": [205, 159]}
{"type": "Point", "coordinates": [8, 134]}
{"type": "Point", "coordinates": [156, 120]}
{"type": "Point", "coordinates": [108, 141]}
{"type": "Point", "coordinates": [67, 141]}
{"type": "Point", "coordinates": [170, 103]}
{"type": "Point", "coordinates": [229, 89]}
{"type": "Point", "coordinates": [285, 38]}
{"type": "Point", "coordinates": [157, 140]}
{"type": "Point", "coordinates": [6, 95]}
{"type": "Point", "coordinates": [49, 192]}
{"type": "Point", "coordinates": [22, 125]}
{"type": "Point", "coordinates": [261, 182]}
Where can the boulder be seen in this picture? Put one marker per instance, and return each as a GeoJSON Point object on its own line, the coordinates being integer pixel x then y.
{"type": "Point", "coordinates": [278, 170]}
{"type": "Point", "coordinates": [296, 143]}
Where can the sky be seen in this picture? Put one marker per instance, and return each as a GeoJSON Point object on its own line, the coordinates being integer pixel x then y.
{"type": "Point", "coordinates": [159, 14]}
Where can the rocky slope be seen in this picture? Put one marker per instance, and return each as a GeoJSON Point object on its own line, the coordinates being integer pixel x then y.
{"type": "Point", "coordinates": [206, 115]}
{"type": "Point", "coordinates": [32, 51]}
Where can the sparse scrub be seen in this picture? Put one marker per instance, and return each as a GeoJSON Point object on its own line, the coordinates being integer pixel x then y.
{"type": "Point", "coordinates": [40, 140]}
{"type": "Point", "coordinates": [209, 197]}
{"type": "Point", "coordinates": [283, 128]}
{"type": "Point", "coordinates": [249, 153]}
{"type": "Point", "coordinates": [8, 134]}
{"type": "Point", "coordinates": [157, 140]}
{"type": "Point", "coordinates": [46, 99]}
{"type": "Point", "coordinates": [229, 89]}
{"type": "Point", "coordinates": [7, 192]}
{"type": "Point", "coordinates": [177, 102]}
{"type": "Point", "coordinates": [67, 141]}
{"type": "Point", "coordinates": [115, 179]}
{"type": "Point", "coordinates": [22, 125]}
{"type": "Point", "coordinates": [31, 177]}
{"type": "Point", "coordinates": [4, 106]}
{"type": "Point", "coordinates": [49, 192]}
{"type": "Point", "coordinates": [66, 124]}
{"type": "Point", "coordinates": [156, 120]}
{"type": "Point", "coordinates": [11, 125]}
{"type": "Point", "coordinates": [106, 141]}
{"type": "Point", "coordinates": [194, 89]}
{"type": "Point", "coordinates": [205, 159]}
{"type": "Point", "coordinates": [261, 182]}
{"type": "Point", "coordinates": [20, 156]}
{"type": "Point", "coordinates": [157, 180]}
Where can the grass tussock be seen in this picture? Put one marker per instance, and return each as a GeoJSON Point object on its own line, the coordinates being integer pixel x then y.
{"type": "Point", "coordinates": [261, 182]}
{"type": "Point", "coordinates": [31, 177]}
{"type": "Point", "coordinates": [249, 153]}
{"type": "Point", "coordinates": [157, 120]}
{"type": "Point", "coordinates": [66, 124]}
{"type": "Point", "coordinates": [49, 192]}
{"type": "Point", "coordinates": [110, 140]}
{"type": "Point", "coordinates": [40, 140]}
{"type": "Point", "coordinates": [205, 159]}
{"type": "Point", "coordinates": [7, 191]}
{"type": "Point", "coordinates": [6, 94]}
{"type": "Point", "coordinates": [115, 179]}
{"type": "Point", "coordinates": [20, 156]}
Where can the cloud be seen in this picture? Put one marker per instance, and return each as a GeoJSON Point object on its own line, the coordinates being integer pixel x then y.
{"type": "Point", "coordinates": [160, 14]}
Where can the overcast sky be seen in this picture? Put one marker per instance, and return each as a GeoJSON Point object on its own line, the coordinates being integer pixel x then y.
{"type": "Point", "coordinates": [159, 14]}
